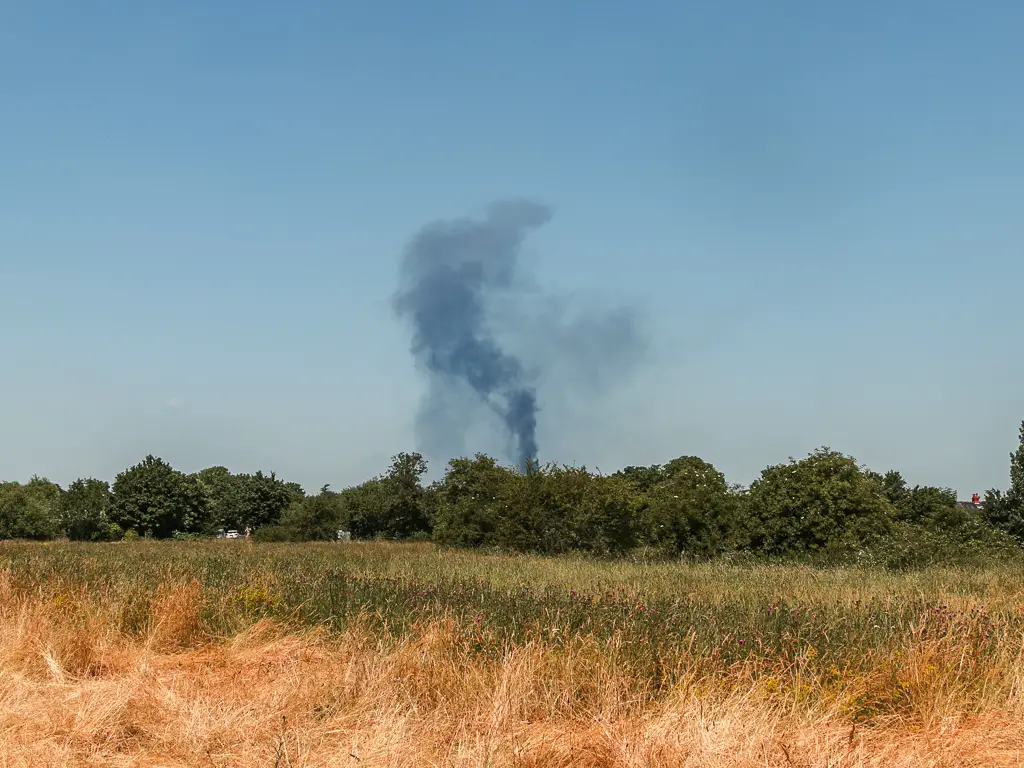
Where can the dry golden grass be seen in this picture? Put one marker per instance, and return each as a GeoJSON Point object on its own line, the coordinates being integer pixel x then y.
{"type": "Point", "coordinates": [77, 690]}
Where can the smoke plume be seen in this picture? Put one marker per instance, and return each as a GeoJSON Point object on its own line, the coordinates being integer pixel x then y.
{"type": "Point", "coordinates": [461, 292]}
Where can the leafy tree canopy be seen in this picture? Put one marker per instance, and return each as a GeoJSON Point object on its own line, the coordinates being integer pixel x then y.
{"type": "Point", "coordinates": [822, 500]}
{"type": "Point", "coordinates": [153, 499]}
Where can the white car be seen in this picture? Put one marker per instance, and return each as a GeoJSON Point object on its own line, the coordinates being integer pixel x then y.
{"type": "Point", "coordinates": [231, 535]}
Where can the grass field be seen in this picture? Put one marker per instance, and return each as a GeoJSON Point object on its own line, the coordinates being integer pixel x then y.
{"type": "Point", "coordinates": [239, 654]}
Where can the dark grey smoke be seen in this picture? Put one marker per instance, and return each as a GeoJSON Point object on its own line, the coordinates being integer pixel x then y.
{"type": "Point", "coordinates": [467, 305]}
{"type": "Point", "coordinates": [448, 269]}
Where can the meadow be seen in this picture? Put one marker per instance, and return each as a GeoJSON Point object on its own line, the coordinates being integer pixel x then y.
{"type": "Point", "coordinates": [233, 653]}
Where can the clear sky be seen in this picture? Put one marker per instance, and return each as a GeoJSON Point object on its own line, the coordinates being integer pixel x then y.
{"type": "Point", "coordinates": [817, 207]}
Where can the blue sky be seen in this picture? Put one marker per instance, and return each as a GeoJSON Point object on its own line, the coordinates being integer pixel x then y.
{"type": "Point", "coordinates": [816, 208]}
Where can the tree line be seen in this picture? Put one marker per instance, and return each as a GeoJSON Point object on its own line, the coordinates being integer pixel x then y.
{"type": "Point", "coordinates": [825, 506]}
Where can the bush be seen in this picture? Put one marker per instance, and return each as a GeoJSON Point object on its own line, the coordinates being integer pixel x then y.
{"type": "Point", "coordinates": [30, 511]}
{"type": "Point", "coordinates": [85, 509]}
{"type": "Point", "coordinates": [690, 509]}
{"type": "Point", "coordinates": [825, 502]}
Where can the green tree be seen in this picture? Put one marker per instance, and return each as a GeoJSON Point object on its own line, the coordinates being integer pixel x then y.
{"type": "Point", "coordinates": [690, 509]}
{"type": "Point", "coordinates": [407, 513]}
{"type": "Point", "coordinates": [313, 518]}
{"type": "Point", "coordinates": [1017, 471]}
{"type": "Point", "coordinates": [934, 508]}
{"type": "Point", "coordinates": [30, 511]}
{"type": "Point", "coordinates": [1003, 513]}
{"type": "Point", "coordinates": [85, 509]}
{"type": "Point", "coordinates": [252, 501]}
{"type": "Point", "coordinates": [643, 479]}
{"type": "Point", "coordinates": [825, 501]}
{"type": "Point", "coordinates": [394, 505]}
{"type": "Point", "coordinates": [237, 502]}
{"type": "Point", "coordinates": [893, 486]}
{"type": "Point", "coordinates": [216, 483]}
{"type": "Point", "coordinates": [556, 509]}
{"type": "Point", "coordinates": [1006, 510]}
{"type": "Point", "coordinates": [469, 501]}
{"type": "Point", "coordinates": [364, 508]}
{"type": "Point", "coordinates": [153, 499]}
{"type": "Point", "coordinates": [599, 512]}
{"type": "Point", "coordinates": [523, 522]}
{"type": "Point", "coordinates": [925, 505]}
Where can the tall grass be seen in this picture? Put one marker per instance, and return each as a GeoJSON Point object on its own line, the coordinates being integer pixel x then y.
{"type": "Point", "coordinates": [377, 654]}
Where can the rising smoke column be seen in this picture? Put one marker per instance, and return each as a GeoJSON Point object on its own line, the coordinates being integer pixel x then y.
{"type": "Point", "coordinates": [448, 271]}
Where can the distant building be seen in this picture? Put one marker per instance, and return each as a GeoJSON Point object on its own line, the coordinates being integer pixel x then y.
{"type": "Point", "coordinates": [974, 503]}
